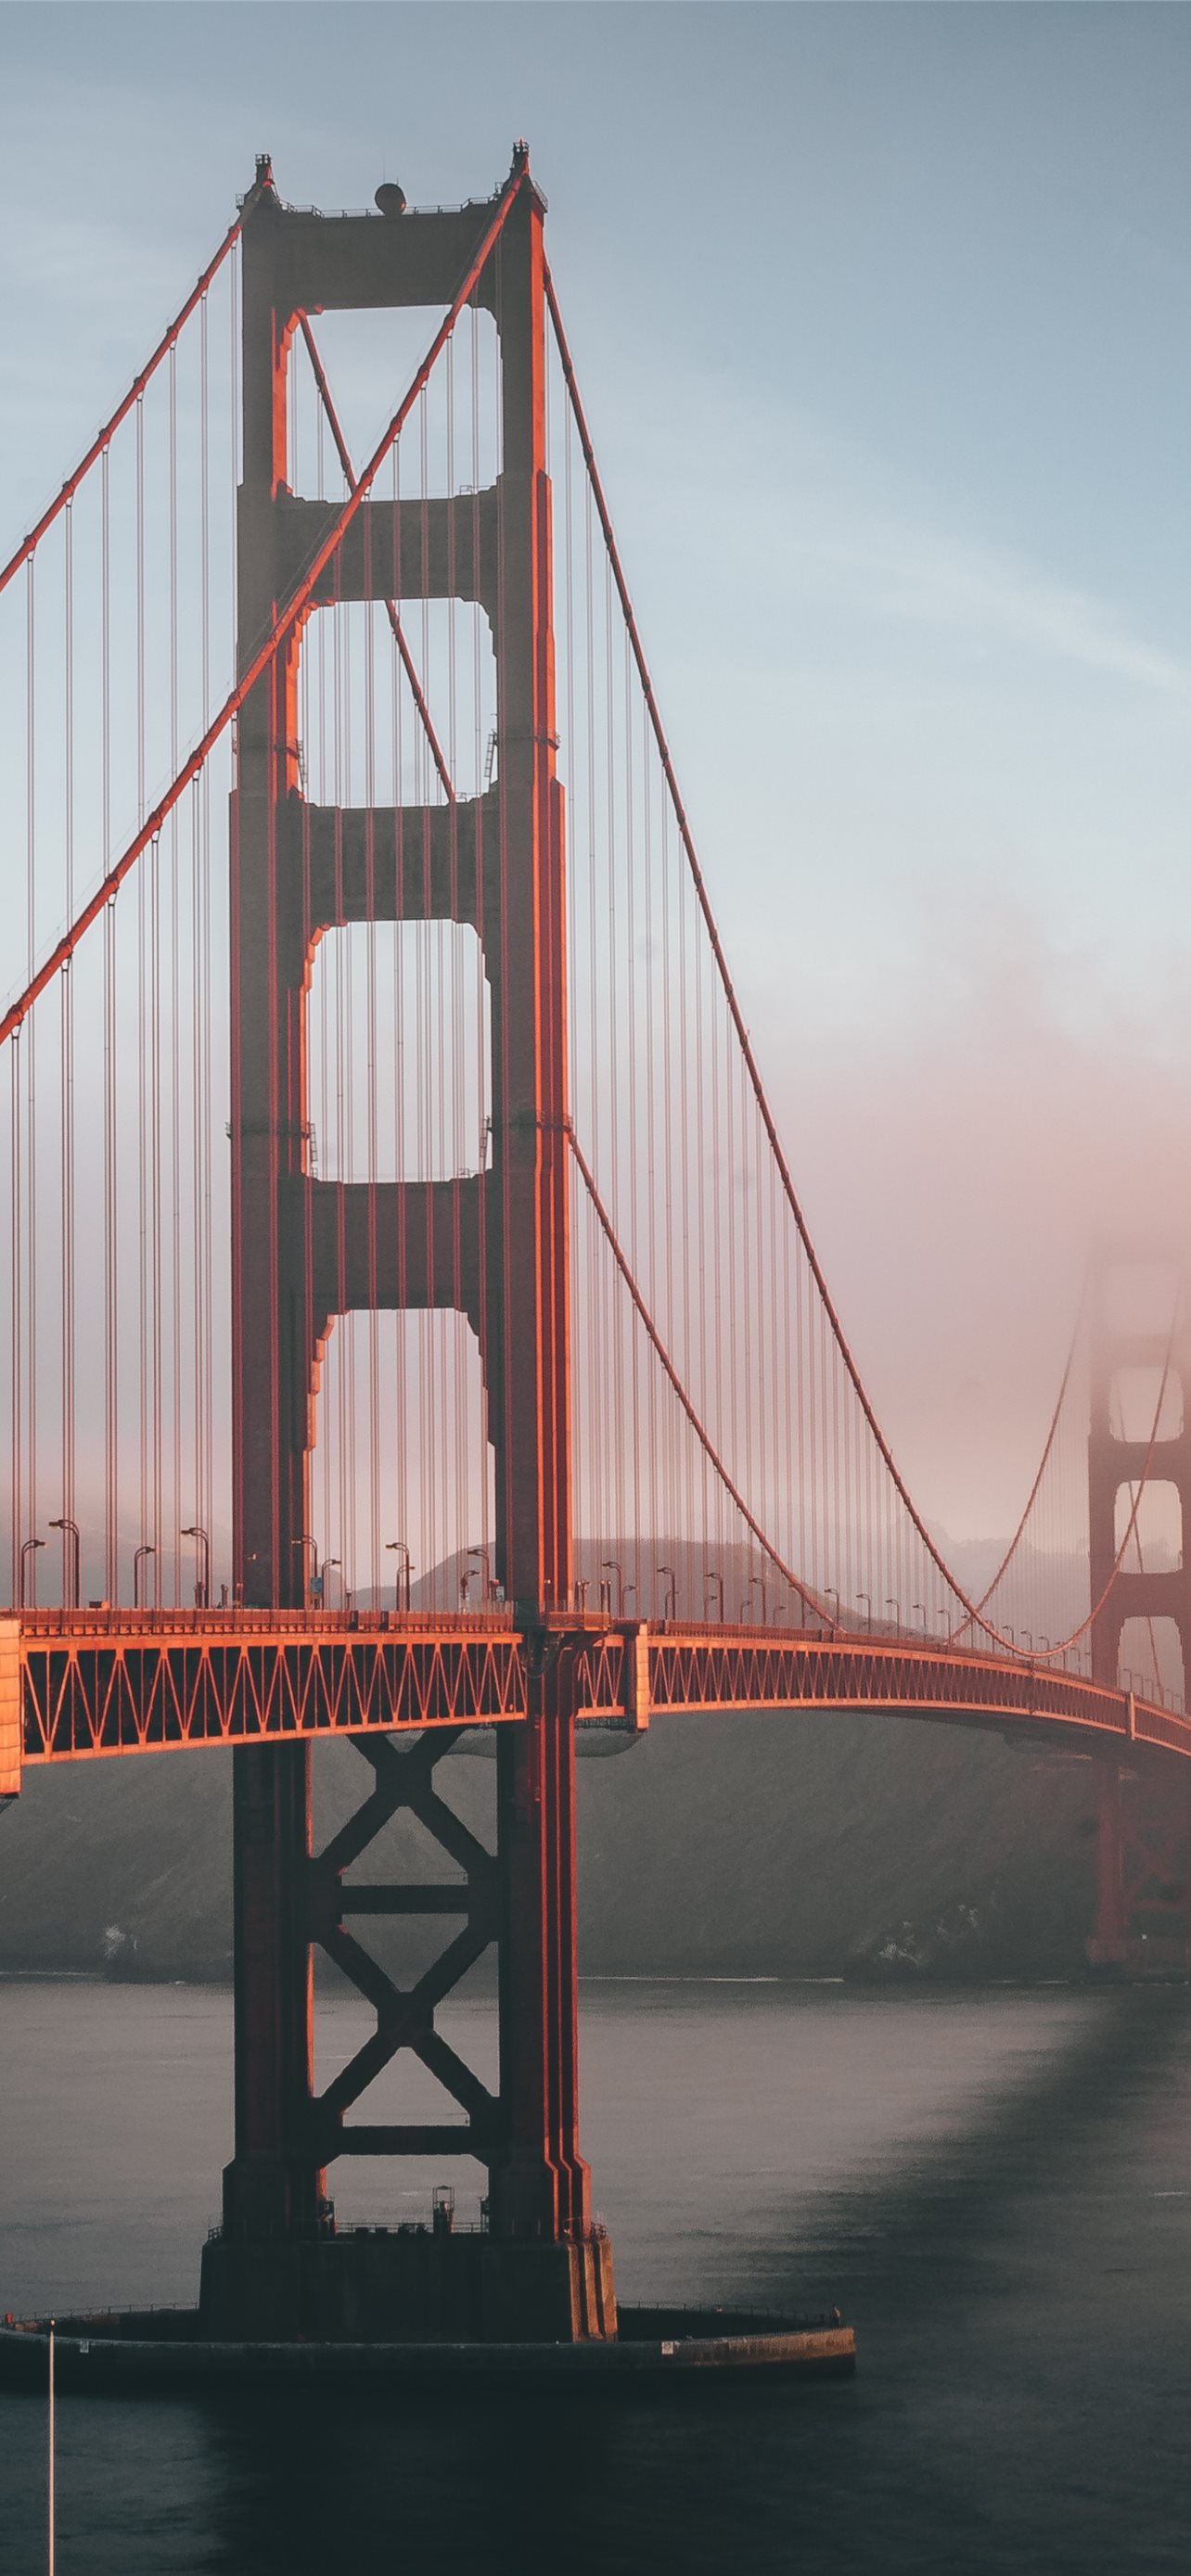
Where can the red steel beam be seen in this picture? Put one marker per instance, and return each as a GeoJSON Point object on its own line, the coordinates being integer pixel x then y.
{"type": "Point", "coordinates": [122, 1681]}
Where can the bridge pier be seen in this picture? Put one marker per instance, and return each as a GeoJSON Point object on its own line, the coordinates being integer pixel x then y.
{"type": "Point", "coordinates": [1143, 1872]}
{"type": "Point", "coordinates": [272, 2188]}
{"type": "Point", "coordinates": [280, 2267]}
{"type": "Point", "coordinates": [1143, 1819]}
{"type": "Point", "coordinates": [491, 1245]}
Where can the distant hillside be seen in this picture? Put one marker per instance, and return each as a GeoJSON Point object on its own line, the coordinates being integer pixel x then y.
{"type": "Point", "coordinates": [717, 1846]}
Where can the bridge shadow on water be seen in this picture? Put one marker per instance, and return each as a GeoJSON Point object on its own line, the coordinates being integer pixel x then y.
{"type": "Point", "coordinates": [1020, 2297]}
{"type": "Point", "coordinates": [1019, 2284]}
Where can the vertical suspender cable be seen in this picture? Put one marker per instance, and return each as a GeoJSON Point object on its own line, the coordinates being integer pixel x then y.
{"type": "Point", "coordinates": [111, 1306]}
{"type": "Point", "coordinates": [29, 1496]}
{"type": "Point", "coordinates": [67, 1078]}
{"type": "Point", "coordinates": [174, 897]}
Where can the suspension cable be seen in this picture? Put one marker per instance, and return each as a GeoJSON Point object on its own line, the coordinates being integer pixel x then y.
{"type": "Point", "coordinates": [133, 395]}
{"type": "Point", "coordinates": [407, 661]}
{"type": "Point", "coordinates": [702, 1435]}
{"type": "Point", "coordinates": [1063, 1645]}
{"type": "Point", "coordinates": [760, 1095]}
{"type": "Point", "coordinates": [282, 627]}
{"type": "Point", "coordinates": [1047, 1446]}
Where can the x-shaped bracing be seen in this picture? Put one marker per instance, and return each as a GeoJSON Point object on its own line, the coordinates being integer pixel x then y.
{"type": "Point", "coordinates": [404, 2016]}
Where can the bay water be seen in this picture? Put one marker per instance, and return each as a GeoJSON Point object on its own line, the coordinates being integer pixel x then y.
{"type": "Point", "coordinates": [994, 2186]}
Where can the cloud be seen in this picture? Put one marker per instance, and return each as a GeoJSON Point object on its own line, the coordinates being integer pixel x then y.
{"type": "Point", "coordinates": [957, 1181]}
{"type": "Point", "coordinates": [920, 576]}
{"type": "Point", "coordinates": [817, 523]}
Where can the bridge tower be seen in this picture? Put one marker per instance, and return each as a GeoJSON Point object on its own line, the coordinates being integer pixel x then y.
{"type": "Point", "coordinates": [1143, 1876]}
{"type": "Point", "coordinates": [493, 1246]}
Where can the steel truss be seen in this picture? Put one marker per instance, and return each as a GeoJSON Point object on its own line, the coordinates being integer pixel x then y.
{"type": "Point", "coordinates": [403, 1781]}
{"type": "Point", "coordinates": [138, 1682]}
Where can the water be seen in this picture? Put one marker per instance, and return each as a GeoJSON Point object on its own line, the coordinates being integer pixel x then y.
{"type": "Point", "coordinates": [995, 2187]}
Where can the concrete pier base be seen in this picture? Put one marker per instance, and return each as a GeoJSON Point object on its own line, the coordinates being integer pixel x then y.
{"type": "Point", "coordinates": [152, 2352]}
{"type": "Point", "coordinates": [406, 2285]}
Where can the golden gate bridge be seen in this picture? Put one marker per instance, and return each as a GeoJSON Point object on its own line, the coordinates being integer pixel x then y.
{"type": "Point", "coordinates": [414, 1325]}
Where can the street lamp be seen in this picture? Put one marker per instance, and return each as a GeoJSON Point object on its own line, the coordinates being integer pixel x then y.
{"type": "Point", "coordinates": [830, 1594]}
{"type": "Point", "coordinates": [945, 1617]}
{"type": "Point", "coordinates": [919, 1608]}
{"type": "Point", "coordinates": [758, 1584]}
{"type": "Point", "coordinates": [486, 1562]}
{"type": "Point", "coordinates": [27, 1549]}
{"type": "Point", "coordinates": [202, 1589]}
{"type": "Point", "coordinates": [711, 1575]}
{"type": "Point", "coordinates": [312, 1583]}
{"type": "Point", "coordinates": [611, 1565]}
{"type": "Point", "coordinates": [628, 1594]}
{"type": "Point", "coordinates": [328, 1562]}
{"type": "Point", "coordinates": [863, 1596]}
{"type": "Point", "coordinates": [145, 1549]}
{"type": "Point", "coordinates": [70, 1530]}
{"type": "Point", "coordinates": [397, 1547]}
{"type": "Point", "coordinates": [892, 1603]}
{"type": "Point", "coordinates": [670, 1596]}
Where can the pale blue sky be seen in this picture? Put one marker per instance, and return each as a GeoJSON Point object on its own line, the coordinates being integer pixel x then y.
{"type": "Point", "coordinates": [882, 317]}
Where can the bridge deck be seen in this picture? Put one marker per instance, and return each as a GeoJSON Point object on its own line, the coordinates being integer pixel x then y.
{"type": "Point", "coordinates": [84, 1683]}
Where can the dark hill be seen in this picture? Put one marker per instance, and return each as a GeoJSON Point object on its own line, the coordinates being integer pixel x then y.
{"type": "Point", "coordinates": [716, 1846]}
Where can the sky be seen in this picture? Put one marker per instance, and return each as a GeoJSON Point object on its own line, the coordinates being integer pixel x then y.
{"type": "Point", "coordinates": [881, 316]}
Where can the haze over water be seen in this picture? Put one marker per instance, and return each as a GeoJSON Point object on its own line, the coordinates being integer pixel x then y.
{"type": "Point", "coordinates": [993, 2185]}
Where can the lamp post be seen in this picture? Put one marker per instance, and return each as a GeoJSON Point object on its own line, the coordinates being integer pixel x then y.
{"type": "Point", "coordinates": [28, 1548]}
{"type": "Point", "coordinates": [397, 1547]}
{"type": "Point", "coordinates": [670, 1595]}
{"type": "Point", "coordinates": [711, 1574]}
{"type": "Point", "coordinates": [202, 1589]}
{"type": "Point", "coordinates": [486, 1562]}
{"type": "Point", "coordinates": [863, 1596]}
{"type": "Point", "coordinates": [328, 1562]}
{"type": "Point", "coordinates": [611, 1565]}
{"type": "Point", "coordinates": [70, 1530]}
{"type": "Point", "coordinates": [628, 1593]}
{"type": "Point", "coordinates": [892, 1603]}
{"type": "Point", "coordinates": [830, 1594]}
{"type": "Point", "coordinates": [311, 1584]}
{"type": "Point", "coordinates": [946, 1631]}
{"type": "Point", "coordinates": [145, 1549]}
{"type": "Point", "coordinates": [918, 1608]}
{"type": "Point", "coordinates": [758, 1584]}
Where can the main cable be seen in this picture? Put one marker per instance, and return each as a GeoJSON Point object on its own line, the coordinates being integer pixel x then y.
{"type": "Point", "coordinates": [972, 1608]}
{"type": "Point", "coordinates": [267, 651]}
{"type": "Point", "coordinates": [104, 436]}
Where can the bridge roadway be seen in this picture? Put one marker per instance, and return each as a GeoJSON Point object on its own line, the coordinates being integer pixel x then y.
{"type": "Point", "coordinates": [77, 1684]}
